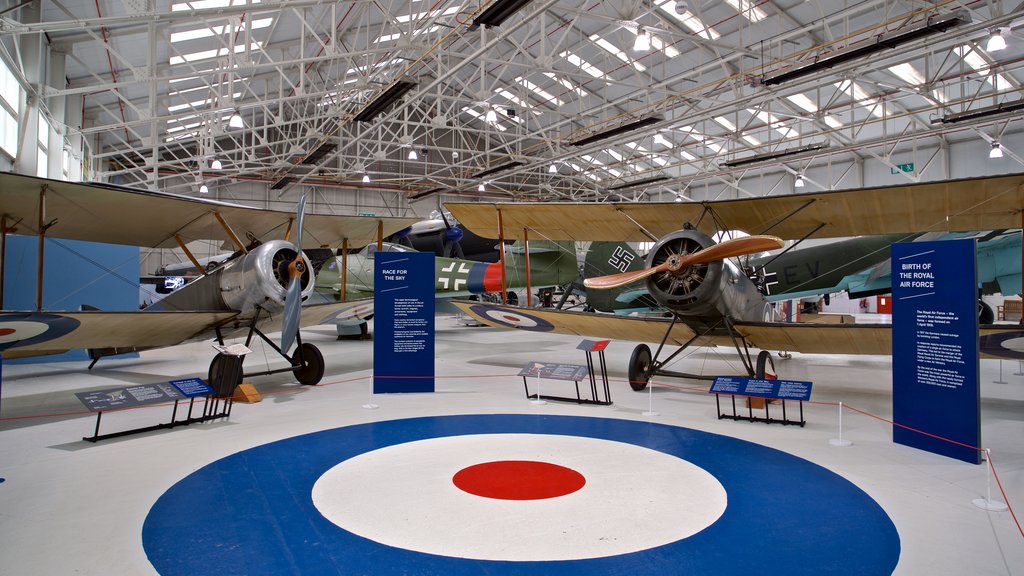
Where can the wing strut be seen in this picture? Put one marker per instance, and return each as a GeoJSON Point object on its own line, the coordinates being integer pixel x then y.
{"type": "Point", "coordinates": [343, 270]}
{"type": "Point", "coordinates": [231, 233]}
{"type": "Point", "coordinates": [501, 255]}
{"type": "Point", "coordinates": [526, 246]}
{"type": "Point", "coordinates": [195, 262]}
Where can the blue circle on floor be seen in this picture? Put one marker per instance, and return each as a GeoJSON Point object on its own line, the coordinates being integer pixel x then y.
{"type": "Point", "coordinates": [253, 513]}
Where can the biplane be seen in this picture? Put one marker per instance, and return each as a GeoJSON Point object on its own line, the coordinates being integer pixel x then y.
{"type": "Point", "coordinates": [261, 286]}
{"type": "Point", "coordinates": [719, 301]}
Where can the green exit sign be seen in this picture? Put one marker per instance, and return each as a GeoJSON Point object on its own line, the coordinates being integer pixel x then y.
{"type": "Point", "coordinates": [908, 167]}
{"type": "Point", "coordinates": [372, 214]}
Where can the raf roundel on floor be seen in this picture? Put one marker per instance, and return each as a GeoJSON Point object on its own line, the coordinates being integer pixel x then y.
{"type": "Point", "coordinates": [516, 494]}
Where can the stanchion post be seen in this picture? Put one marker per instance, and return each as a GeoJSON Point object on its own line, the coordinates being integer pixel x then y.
{"type": "Point", "coordinates": [538, 399]}
{"type": "Point", "coordinates": [988, 503]}
{"type": "Point", "coordinates": [650, 400]}
{"type": "Point", "coordinates": [370, 405]}
{"type": "Point", "coordinates": [840, 441]}
{"type": "Point", "coordinates": [1000, 381]}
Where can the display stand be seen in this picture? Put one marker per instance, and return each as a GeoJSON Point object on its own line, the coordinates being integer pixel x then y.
{"type": "Point", "coordinates": [573, 372]}
{"type": "Point", "coordinates": [767, 419]}
{"type": "Point", "coordinates": [116, 399]}
{"type": "Point", "coordinates": [767, 388]}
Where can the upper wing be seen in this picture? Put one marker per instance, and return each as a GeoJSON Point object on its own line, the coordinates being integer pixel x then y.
{"type": "Point", "coordinates": [115, 215]}
{"type": "Point", "coordinates": [957, 205]}
{"type": "Point", "coordinates": [995, 341]}
{"type": "Point", "coordinates": [39, 333]}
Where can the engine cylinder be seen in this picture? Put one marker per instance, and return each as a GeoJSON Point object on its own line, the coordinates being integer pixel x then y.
{"type": "Point", "coordinates": [696, 290]}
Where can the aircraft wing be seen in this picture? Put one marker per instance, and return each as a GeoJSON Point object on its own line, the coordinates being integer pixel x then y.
{"type": "Point", "coordinates": [348, 312]}
{"type": "Point", "coordinates": [39, 333]}
{"type": "Point", "coordinates": [988, 203]}
{"type": "Point", "coordinates": [995, 341]}
{"type": "Point", "coordinates": [116, 215]}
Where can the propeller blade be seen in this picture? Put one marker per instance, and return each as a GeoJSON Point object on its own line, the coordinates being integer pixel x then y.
{"type": "Point", "coordinates": [292, 308]}
{"type": "Point", "coordinates": [722, 250]}
{"type": "Point", "coordinates": [300, 214]}
{"type": "Point", "coordinates": [293, 298]}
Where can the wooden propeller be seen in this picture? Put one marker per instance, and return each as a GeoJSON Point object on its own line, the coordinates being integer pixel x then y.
{"type": "Point", "coordinates": [678, 262]}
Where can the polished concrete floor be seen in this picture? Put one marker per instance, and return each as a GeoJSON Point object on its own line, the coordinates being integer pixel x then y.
{"type": "Point", "coordinates": [73, 507]}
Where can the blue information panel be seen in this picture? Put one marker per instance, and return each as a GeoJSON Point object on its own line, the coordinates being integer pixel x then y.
{"type": "Point", "coordinates": [130, 397]}
{"type": "Point", "coordinates": [192, 387]}
{"type": "Point", "coordinates": [403, 340]}
{"type": "Point", "coordinates": [762, 387]}
{"type": "Point", "coordinates": [935, 347]}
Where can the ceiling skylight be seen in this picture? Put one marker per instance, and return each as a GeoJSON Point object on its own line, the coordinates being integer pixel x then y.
{"type": "Point", "coordinates": [516, 100]}
{"type": "Point", "coordinates": [198, 103]}
{"type": "Point", "coordinates": [567, 84]}
{"type": "Point", "coordinates": [659, 44]}
{"type": "Point", "coordinates": [582, 64]}
{"type": "Point", "coordinates": [982, 67]}
{"type": "Point", "coordinates": [747, 9]}
{"type": "Point", "coordinates": [688, 19]}
{"type": "Point", "coordinates": [208, 31]}
{"type": "Point", "coordinates": [547, 96]}
{"type": "Point", "coordinates": [206, 4]}
{"type": "Point", "coordinates": [207, 54]}
{"type": "Point", "coordinates": [614, 51]}
{"type": "Point", "coordinates": [861, 97]}
{"type": "Point", "coordinates": [807, 104]}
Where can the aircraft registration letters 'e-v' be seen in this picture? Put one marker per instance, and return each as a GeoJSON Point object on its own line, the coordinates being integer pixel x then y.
{"type": "Point", "coordinates": [267, 277]}
{"type": "Point", "coordinates": [718, 302]}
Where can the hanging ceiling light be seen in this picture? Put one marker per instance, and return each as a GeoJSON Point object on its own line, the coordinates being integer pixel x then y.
{"type": "Point", "coordinates": [996, 42]}
{"type": "Point", "coordinates": [996, 151]}
{"type": "Point", "coordinates": [642, 42]}
{"type": "Point", "coordinates": [480, 188]}
{"type": "Point", "coordinates": [491, 115]}
{"type": "Point", "coordinates": [236, 120]}
{"type": "Point", "coordinates": [679, 198]}
{"type": "Point", "coordinates": [366, 178]}
{"type": "Point", "coordinates": [204, 189]}
{"type": "Point", "coordinates": [552, 169]}
{"type": "Point", "coordinates": [799, 183]}
{"type": "Point", "coordinates": [413, 155]}
{"type": "Point", "coordinates": [216, 164]}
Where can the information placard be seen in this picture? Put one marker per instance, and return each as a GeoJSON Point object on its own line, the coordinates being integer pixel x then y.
{"type": "Point", "coordinates": [130, 397]}
{"type": "Point", "coordinates": [762, 387]}
{"type": "Point", "coordinates": [935, 347]}
{"type": "Point", "coordinates": [192, 387]}
{"type": "Point", "coordinates": [403, 342]}
{"type": "Point", "coordinates": [554, 371]}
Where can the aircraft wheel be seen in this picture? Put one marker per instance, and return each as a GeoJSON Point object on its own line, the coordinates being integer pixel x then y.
{"type": "Point", "coordinates": [764, 363]}
{"type": "Point", "coordinates": [219, 369]}
{"type": "Point", "coordinates": [639, 364]}
{"type": "Point", "coordinates": [312, 369]}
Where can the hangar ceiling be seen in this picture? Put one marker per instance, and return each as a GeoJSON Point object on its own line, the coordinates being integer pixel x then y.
{"type": "Point", "coordinates": [563, 99]}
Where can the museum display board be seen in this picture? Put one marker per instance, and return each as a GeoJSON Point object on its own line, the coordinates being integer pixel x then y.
{"type": "Point", "coordinates": [936, 396]}
{"type": "Point", "coordinates": [403, 322]}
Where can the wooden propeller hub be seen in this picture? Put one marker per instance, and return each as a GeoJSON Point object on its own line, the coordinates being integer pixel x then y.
{"type": "Point", "coordinates": [296, 268]}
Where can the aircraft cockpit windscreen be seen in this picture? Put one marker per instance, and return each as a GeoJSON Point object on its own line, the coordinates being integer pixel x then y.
{"type": "Point", "coordinates": [371, 249]}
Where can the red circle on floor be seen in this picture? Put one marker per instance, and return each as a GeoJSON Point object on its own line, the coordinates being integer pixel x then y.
{"type": "Point", "coordinates": [518, 480]}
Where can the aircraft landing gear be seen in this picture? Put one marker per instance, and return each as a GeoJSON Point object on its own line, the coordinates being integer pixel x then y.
{"type": "Point", "coordinates": [309, 364]}
{"type": "Point", "coordinates": [765, 364]}
{"type": "Point", "coordinates": [225, 373]}
{"type": "Point", "coordinates": [639, 367]}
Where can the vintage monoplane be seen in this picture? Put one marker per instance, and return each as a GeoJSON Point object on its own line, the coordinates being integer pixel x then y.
{"type": "Point", "coordinates": [261, 286]}
{"type": "Point", "coordinates": [714, 301]}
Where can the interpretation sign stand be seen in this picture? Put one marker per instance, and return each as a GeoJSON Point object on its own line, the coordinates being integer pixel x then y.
{"type": "Point", "coordinates": [403, 301]}
{"type": "Point", "coordinates": [935, 348]}
{"type": "Point", "coordinates": [761, 388]}
{"type": "Point", "coordinates": [572, 372]}
{"type": "Point", "coordinates": [100, 401]}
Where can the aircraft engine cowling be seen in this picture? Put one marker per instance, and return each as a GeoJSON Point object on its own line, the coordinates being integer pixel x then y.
{"type": "Point", "coordinates": [697, 290]}
{"type": "Point", "coordinates": [261, 277]}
